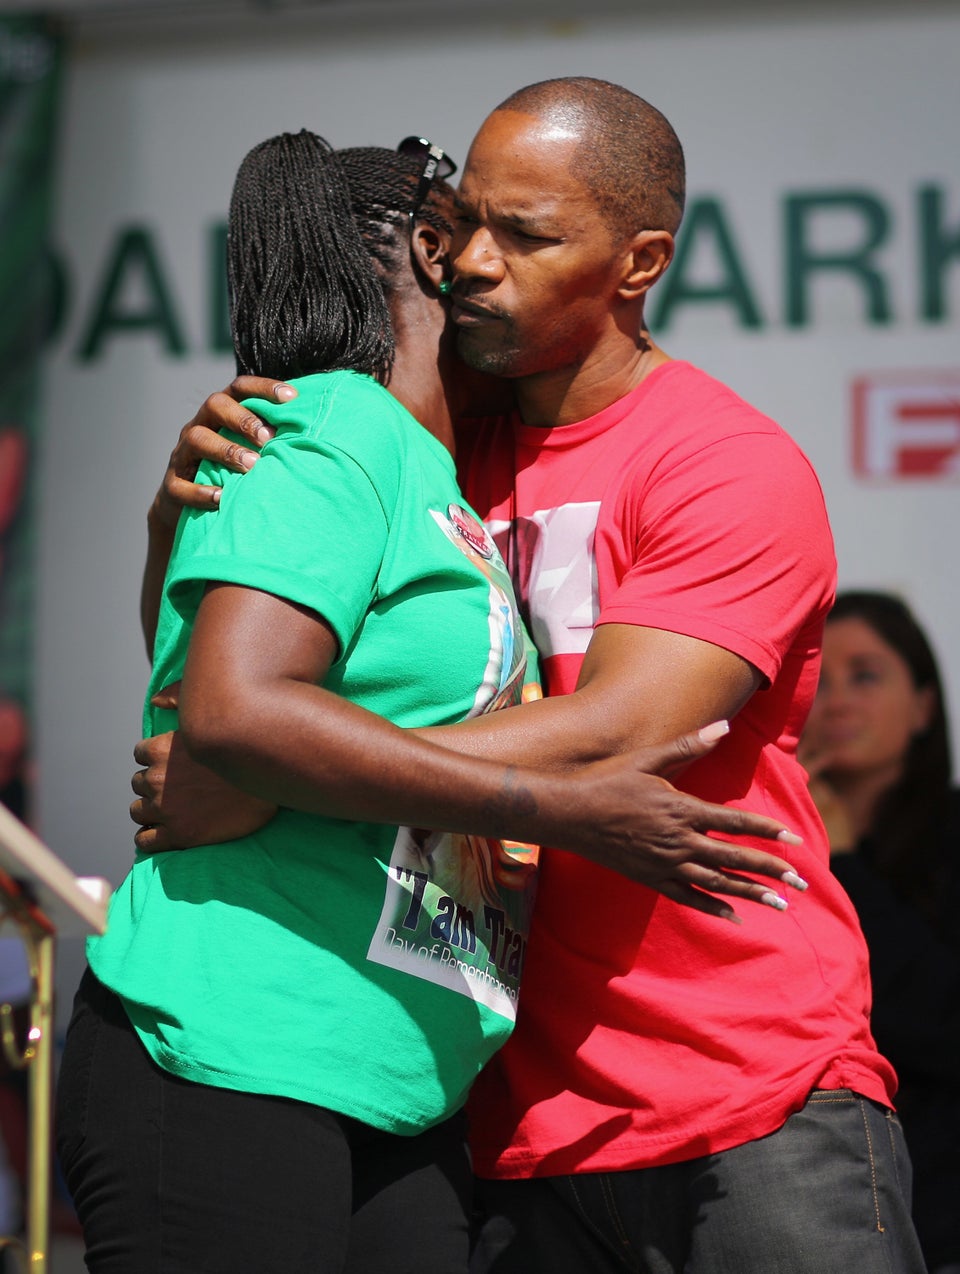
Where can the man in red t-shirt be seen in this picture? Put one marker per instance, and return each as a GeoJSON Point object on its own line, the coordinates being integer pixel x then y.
{"type": "Point", "coordinates": [678, 1095]}
{"type": "Point", "coordinates": [674, 1097]}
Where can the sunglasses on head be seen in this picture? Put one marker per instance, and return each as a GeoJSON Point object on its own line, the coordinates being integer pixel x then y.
{"type": "Point", "coordinates": [436, 163]}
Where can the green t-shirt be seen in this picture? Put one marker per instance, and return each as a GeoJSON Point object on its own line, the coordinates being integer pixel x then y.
{"type": "Point", "coordinates": [366, 968]}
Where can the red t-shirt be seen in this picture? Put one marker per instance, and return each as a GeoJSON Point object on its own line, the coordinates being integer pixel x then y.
{"type": "Point", "coordinates": [649, 1033]}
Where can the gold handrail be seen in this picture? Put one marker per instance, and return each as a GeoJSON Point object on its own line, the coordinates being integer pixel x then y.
{"type": "Point", "coordinates": [43, 897]}
{"type": "Point", "coordinates": [37, 1059]}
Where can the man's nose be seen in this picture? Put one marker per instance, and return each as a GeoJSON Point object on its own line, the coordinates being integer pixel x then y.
{"type": "Point", "coordinates": [477, 257]}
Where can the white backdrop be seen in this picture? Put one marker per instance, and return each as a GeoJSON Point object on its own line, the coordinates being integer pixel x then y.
{"type": "Point", "coordinates": [858, 113]}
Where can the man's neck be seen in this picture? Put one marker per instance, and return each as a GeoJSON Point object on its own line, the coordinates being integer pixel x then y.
{"type": "Point", "coordinates": [567, 395]}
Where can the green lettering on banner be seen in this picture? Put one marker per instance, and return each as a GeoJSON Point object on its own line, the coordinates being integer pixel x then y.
{"type": "Point", "coordinates": [705, 222]}
{"type": "Point", "coordinates": [134, 257]}
{"type": "Point", "coordinates": [803, 261]}
{"type": "Point", "coordinates": [132, 293]}
{"type": "Point", "coordinates": [218, 300]}
{"type": "Point", "coordinates": [937, 247]}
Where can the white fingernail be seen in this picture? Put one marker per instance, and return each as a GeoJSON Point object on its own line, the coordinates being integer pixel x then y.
{"type": "Point", "coordinates": [789, 838]}
{"type": "Point", "coordinates": [716, 730]}
{"type": "Point", "coordinates": [793, 880]}
{"type": "Point", "coordinates": [774, 900]}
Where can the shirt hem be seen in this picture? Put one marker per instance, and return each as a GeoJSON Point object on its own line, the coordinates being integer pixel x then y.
{"type": "Point", "coordinates": [328, 1099]}
{"type": "Point", "coordinates": [632, 1152]}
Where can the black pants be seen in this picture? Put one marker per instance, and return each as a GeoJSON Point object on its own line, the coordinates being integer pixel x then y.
{"type": "Point", "coordinates": [172, 1177]}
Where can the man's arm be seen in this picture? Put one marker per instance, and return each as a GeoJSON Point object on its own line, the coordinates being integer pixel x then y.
{"type": "Point", "coordinates": [200, 440]}
{"type": "Point", "coordinates": [638, 687]}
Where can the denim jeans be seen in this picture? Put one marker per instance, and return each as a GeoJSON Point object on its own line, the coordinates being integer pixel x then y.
{"type": "Point", "coordinates": [178, 1178]}
{"type": "Point", "coordinates": [828, 1193]}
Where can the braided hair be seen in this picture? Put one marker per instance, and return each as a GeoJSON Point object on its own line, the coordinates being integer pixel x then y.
{"type": "Point", "coordinates": [383, 185]}
{"type": "Point", "coordinates": [304, 294]}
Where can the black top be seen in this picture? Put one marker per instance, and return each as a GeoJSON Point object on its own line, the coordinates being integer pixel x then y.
{"type": "Point", "coordinates": [915, 968]}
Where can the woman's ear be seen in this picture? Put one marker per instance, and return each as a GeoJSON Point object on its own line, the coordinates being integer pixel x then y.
{"type": "Point", "coordinates": [430, 251]}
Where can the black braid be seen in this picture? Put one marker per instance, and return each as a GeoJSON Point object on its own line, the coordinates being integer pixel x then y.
{"type": "Point", "coordinates": [383, 185]}
{"type": "Point", "coordinates": [304, 295]}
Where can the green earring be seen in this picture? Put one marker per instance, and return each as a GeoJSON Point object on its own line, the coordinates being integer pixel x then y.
{"type": "Point", "coordinates": [444, 287]}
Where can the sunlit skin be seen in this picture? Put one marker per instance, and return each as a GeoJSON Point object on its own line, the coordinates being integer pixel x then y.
{"type": "Point", "coordinates": [866, 713]}
{"type": "Point", "coordinates": [544, 292]}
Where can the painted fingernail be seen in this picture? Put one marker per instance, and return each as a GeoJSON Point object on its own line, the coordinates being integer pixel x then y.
{"type": "Point", "coordinates": [773, 900]}
{"type": "Point", "coordinates": [793, 880]}
{"type": "Point", "coordinates": [789, 838]}
{"type": "Point", "coordinates": [716, 730]}
{"type": "Point", "coordinates": [283, 393]}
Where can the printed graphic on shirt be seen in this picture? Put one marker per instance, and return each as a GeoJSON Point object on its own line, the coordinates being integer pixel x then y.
{"type": "Point", "coordinates": [457, 908]}
{"type": "Point", "coordinates": [554, 548]}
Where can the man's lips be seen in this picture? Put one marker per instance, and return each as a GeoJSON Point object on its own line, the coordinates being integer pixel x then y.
{"type": "Point", "coordinates": [468, 314]}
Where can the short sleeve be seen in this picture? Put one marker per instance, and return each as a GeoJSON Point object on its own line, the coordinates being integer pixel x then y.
{"type": "Point", "coordinates": [730, 544]}
{"type": "Point", "coordinates": [306, 524]}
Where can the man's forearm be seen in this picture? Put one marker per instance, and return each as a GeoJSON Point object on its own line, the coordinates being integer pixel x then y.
{"type": "Point", "coordinates": [160, 539]}
{"type": "Point", "coordinates": [638, 688]}
{"type": "Point", "coordinates": [548, 734]}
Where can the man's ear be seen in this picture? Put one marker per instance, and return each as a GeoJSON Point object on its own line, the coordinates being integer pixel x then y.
{"type": "Point", "coordinates": [646, 257]}
{"type": "Point", "coordinates": [430, 249]}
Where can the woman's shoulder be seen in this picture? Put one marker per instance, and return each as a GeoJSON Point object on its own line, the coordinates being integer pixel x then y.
{"type": "Point", "coordinates": [344, 410]}
{"type": "Point", "coordinates": [330, 398]}
{"type": "Point", "coordinates": [355, 417]}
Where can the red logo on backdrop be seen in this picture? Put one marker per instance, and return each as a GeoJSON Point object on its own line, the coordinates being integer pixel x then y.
{"type": "Point", "coordinates": [906, 425]}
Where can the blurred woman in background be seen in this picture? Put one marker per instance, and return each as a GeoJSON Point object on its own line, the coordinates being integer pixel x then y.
{"type": "Point", "coordinates": [878, 754]}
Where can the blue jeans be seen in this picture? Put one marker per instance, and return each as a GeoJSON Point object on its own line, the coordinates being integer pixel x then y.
{"type": "Point", "coordinates": [828, 1193]}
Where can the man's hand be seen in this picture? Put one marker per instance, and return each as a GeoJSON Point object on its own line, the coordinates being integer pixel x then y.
{"type": "Point", "coordinates": [181, 803]}
{"type": "Point", "coordinates": [200, 440]}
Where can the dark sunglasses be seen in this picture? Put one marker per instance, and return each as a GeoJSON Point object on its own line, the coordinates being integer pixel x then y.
{"type": "Point", "coordinates": [436, 163]}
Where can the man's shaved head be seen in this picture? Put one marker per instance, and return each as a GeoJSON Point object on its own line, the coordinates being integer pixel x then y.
{"type": "Point", "coordinates": [630, 160]}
